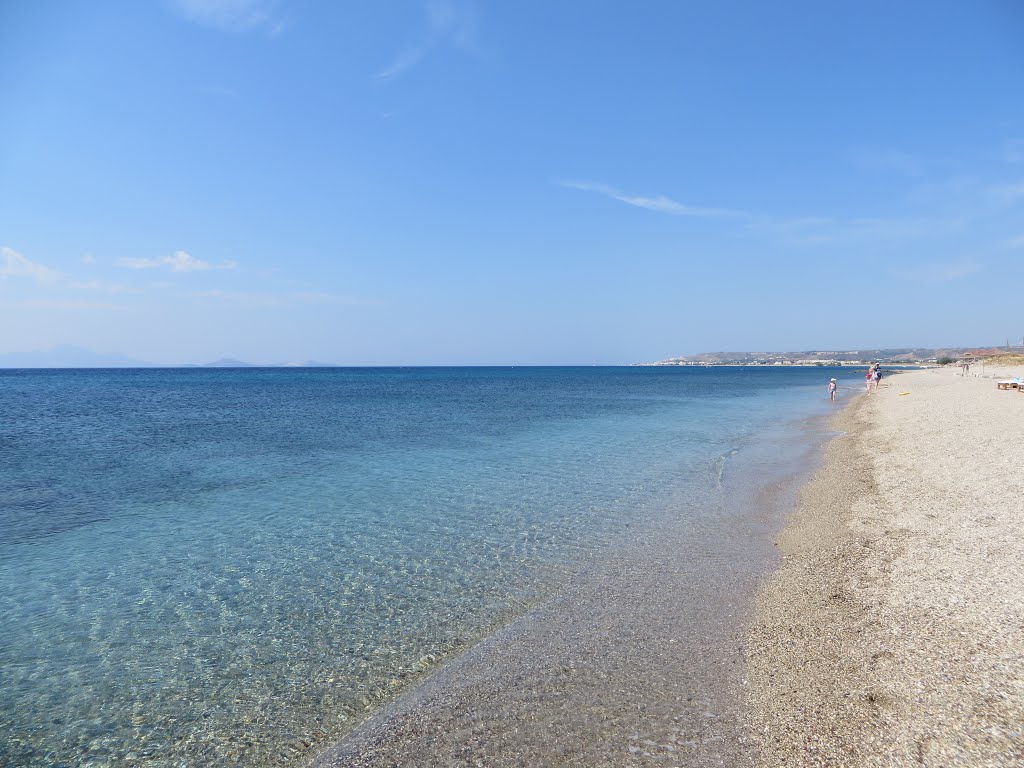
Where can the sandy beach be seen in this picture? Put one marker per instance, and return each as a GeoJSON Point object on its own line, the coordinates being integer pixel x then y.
{"type": "Point", "coordinates": [893, 632]}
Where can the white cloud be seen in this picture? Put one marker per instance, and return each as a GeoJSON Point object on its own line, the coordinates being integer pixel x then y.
{"type": "Point", "coordinates": [181, 261]}
{"type": "Point", "coordinates": [141, 263]}
{"type": "Point", "coordinates": [446, 22]}
{"type": "Point", "coordinates": [13, 264]}
{"type": "Point", "coordinates": [230, 15]}
{"type": "Point", "coordinates": [938, 271]}
{"type": "Point", "coordinates": [660, 204]}
{"type": "Point", "coordinates": [88, 259]}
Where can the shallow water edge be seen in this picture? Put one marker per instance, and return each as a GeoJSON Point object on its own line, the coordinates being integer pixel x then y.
{"type": "Point", "coordinates": [638, 661]}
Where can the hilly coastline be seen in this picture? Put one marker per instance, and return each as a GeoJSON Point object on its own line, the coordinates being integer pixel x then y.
{"type": "Point", "coordinates": [898, 356]}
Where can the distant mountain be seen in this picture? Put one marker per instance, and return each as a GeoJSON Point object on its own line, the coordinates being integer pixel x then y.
{"type": "Point", "coordinates": [68, 356]}
{"type": "Point", "coordinates": [228, 362]}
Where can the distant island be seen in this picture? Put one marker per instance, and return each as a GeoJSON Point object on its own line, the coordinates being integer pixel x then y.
{"type": "Point", "coordinates": [230, 362]}
{"type": "Point", "coordinates": [902, 356]}
{"type": "Point", "coordinates": [68, 356]}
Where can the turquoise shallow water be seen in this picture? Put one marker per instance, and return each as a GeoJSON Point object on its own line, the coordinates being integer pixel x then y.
{"type": "Point", "coordinates": [228, 567]}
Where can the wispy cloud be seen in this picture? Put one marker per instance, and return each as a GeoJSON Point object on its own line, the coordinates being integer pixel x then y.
{"type": "Point", "coordinates": [1013, 150]}
{"type": "Point", "coordinates": [938, 271]}
{"type": "Point", "coordinates": [1015, 242]}
{"type": "Point", "coordinates": [13, 264]}
{"type": "Point", "coordinates": [889, 160]}
{"type": "Point", "coordinates": [245, 298]}
{"type": "Point", "coordinates": [181, 261]}
{"type": "Point", "coordinates": [88, 258]}
{"type": "Point", "coordinates": [262, 300]}
{"type": "Point", "coordinates": [1007, 194]}
{"type": "Point", "coordinates": [447, 22]}
{"type": "Point", "coordinates": [101, 286]}
{"type": "Point", "coordinates": [235, 16]}
{"type": "Point", "coordinates": [660, 204]}
{"type": "Point", "coordinates": [59, 305]}
{"type": "Point", "coordinates": [811, 230]}
{"type": "Point", "coordinates": [318, 297]}
{"type": "Point", "coordinates": [800, 230]}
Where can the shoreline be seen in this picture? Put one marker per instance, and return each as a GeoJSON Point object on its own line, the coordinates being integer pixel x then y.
{"type": "Point", "coordinates": [893, 631]}
{"type": "Point", "coordinates": [639, 661]}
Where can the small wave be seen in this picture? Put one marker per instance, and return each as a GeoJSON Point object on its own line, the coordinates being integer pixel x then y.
{"type": "Point", "coordinates": [719, 466]}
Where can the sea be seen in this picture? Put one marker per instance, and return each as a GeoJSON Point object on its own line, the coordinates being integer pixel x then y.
{"type": "Point", "coordinates": [228, 567]}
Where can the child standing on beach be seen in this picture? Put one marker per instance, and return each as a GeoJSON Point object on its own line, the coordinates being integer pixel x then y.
{"type": "Point", "coordinates": [832, 389]}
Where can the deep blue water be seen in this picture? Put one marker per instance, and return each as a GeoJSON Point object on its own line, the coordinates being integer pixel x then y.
{"type": "Point", "coordinates": [226, 566]}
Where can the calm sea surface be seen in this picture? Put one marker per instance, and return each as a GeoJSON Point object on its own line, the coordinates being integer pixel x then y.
{"type": "Point", "coordinates": [229, 567]}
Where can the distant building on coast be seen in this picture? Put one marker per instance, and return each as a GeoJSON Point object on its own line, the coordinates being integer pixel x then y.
{"type": "Point", "coordinates": [856, 357]}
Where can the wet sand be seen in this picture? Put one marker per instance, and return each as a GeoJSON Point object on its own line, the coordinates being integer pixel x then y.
{"type": "Point", "coordinates": [893, 633]}
{"type": "Point", "coordinates": [640, 662]}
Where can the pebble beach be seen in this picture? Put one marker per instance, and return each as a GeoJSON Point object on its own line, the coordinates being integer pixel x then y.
{"type": "Point", "coordinates": [893, 632]}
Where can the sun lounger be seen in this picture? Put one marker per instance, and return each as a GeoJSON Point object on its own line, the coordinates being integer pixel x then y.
{"type": "Point", "coordinates": [1009, 383]}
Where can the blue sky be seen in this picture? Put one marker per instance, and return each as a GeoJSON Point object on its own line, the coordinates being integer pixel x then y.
{"type": "Point", "coordinates": [458, 182]}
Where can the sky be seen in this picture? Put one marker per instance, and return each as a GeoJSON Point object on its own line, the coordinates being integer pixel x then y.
{"type": "Point", "coordinates": [480, 182]}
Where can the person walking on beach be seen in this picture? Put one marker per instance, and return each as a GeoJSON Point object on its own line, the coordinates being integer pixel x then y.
{"type": "Point", "coordinates": [832, 387]}
{"type": "Point", "coordinates": [872, 376]}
